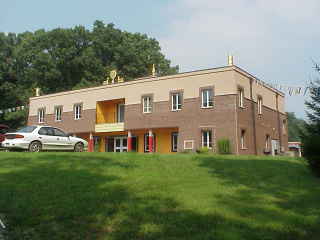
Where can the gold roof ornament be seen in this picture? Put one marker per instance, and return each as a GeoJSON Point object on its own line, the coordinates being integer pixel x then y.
{"type": "Point", "coordinates": [230, 60]}
{"type": "Point", "coordinates": [38, 92]}
{"type": "Point", "coordinates": [113, 75]}
{"type": "Point", "coordinates": [153, 70]}
{"type": "Point", "coordinates": [120, 79]}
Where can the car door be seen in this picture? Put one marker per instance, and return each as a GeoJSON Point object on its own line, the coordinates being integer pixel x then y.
{"type": "Point", "coordinates": [63, 142]}
{"type": "Point", "coordinates": [47, 138]}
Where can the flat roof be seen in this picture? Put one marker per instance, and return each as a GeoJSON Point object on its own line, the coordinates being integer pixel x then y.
{"type": "Point", "coordinates": [159, 78]}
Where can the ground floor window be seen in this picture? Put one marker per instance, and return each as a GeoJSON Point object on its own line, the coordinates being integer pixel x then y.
{"type": "Point", "coordinates": [242, 139]}
{"type": "Point", "coordinates": [174, 142]}
{"type": "Point", "coordinates": [207, 139]}
{"type": "Point", "coordinates": [146, 142]}
{"type": "Point", "coordinates": [120, 144]}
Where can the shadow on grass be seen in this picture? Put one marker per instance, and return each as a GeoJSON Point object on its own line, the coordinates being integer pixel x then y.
{"type": "Point", "coordinates": [275, 193]}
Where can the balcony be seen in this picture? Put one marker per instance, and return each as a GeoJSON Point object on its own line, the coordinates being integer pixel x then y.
{"type": "Point", "coordinates": [110, 116]}
{"type": "Point", "coordinates": [109, 127]}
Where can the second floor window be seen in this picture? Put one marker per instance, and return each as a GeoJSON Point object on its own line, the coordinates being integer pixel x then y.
{"type": "Point", "coordinates": [267, 145]}
{"type": "Point", "coordinates": [259, 105]}
{"type": "Point", "coordinates": [41, 113]}
{"type": "Point", "coordinates": [207, 139]}
{"type": "Point", "coordinates": [120, 113]}
{"type": "Point", "coordinates": [58, 113]}
{"type": "Point", "coordinates": [77, 111]}
{"type": "Point", "coordinates": [176, 101]}
{"type": "Point", "coordinates": [241, 97]}
{"type": "Point", "coordinates": [147, 104]}
{"type": "Point", "coordinates": [207, 98]}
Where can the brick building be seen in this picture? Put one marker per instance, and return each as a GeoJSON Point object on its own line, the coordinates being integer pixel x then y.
{"type": "Point", "coordinates": [176, 113]}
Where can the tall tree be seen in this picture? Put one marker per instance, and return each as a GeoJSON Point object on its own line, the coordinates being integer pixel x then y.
{"type": "Point", "coordinates": [295, 127]}
{"type": "Point", "coordinates": [72, 58]}
{"type": "Point", "coordinates": [311, 137]}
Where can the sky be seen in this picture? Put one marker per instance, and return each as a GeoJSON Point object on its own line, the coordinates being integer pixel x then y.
{"type": "Point", "coordinates": [275, 40]}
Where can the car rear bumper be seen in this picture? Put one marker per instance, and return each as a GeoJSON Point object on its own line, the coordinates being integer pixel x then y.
{"type": "Point", "coordinates": [14, 144]}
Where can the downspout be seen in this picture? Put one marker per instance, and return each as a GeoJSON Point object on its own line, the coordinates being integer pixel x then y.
{"type": "Point", "coordinates": [253, 118]}
{"type": "Point", "coordinates": [279, 122]}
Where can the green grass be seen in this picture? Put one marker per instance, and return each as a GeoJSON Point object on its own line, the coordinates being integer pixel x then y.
{"type": "Point", "coordinates": [135, 196]}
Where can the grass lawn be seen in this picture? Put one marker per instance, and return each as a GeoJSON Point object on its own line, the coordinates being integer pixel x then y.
{"type": "Point", "coordinates": [136, 196]}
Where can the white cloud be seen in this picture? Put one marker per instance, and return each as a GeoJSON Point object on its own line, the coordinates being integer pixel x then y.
{"type": "Point", "coordinates": [266, 37]}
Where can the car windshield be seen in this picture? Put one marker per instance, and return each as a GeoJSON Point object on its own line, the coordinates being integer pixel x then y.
{"type": "Point", "coordinates": [28, 129]}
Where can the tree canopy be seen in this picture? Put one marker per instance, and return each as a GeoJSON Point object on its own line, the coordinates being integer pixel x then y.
{"type": "Point", "coordinates": [311, 136]}
{"type": "Point", "coordinates": [295, 126]}
{"type": "Point", "coordinates": [71, 58]}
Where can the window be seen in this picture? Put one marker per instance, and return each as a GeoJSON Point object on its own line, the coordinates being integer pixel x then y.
{"type": "Point", "coordinates": [77, 111]}
{"type": "Point", "coordinates": [207, 98]}
{"type": "Point", "coordinates": [147, 104]}
{"type": "Point", "coordinates": [284, 126]}
{"type": "Point", "coordinates": [207, 139]}
{"type": "Point", "coordinates": [46, 131]}
{"type": "Point", "coordinates": [259, 105]}
{"type": "Point", "coordinates": [59, 133]}
{"type": "Point", "coordinates": [242, 139]}
{"type": "Point", "coordinates": [146, 142]}
{"type": "Point", "coordinates": [176, 101]}
{"type": "Point", "coordinates": [267, 142]}
{"type": "Point", "coordinates": [241, 97]}
{"type": "Point", "coordinates": [120, 113]}
{"type": "Point", "coordinates": [58, 113]}
{"type": "Point", "coordinates": [41, 113]}
{"type": "Point", "coordinates": [174, 142]}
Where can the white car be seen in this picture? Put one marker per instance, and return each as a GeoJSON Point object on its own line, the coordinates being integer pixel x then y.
{"type": "Point", "coordinates": [38, 138]}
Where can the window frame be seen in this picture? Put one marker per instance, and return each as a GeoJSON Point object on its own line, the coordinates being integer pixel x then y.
{"type": "Point", "coordinates": [207, 89]}
{"type": "Point", "coordinates": [267, 142]}
{"type": "Point", "coordinates": [208, 142]}
{"type": "Point", "coordinates": [241, 96]}
{"type": "Point", "coordinates": [174, 147]}
{"type": "Point", "coordinates": [149, 108]}
{"type": "Point", "coordinates": [176, 95]}
{"type": "Point", "coordinates": [243, 139]}
{"type": "Point", "coordinates": [56, 115]}
{"type": "Point", "coordinates": [77, 115]}
{"type": "Point", "coordinates": [284, 126]}
{"type": "Point", "coordinates": [119, 105]}
{"type": "Point", "coordinates": [260, 104]}
{"type": "Point", "coordinates": [41, 117]}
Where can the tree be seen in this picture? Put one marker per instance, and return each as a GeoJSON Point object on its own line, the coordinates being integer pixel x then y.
{"type": "Point", "coordinates": [295, 127]}
{"type": "Point", "coordinates": [71, 58]}
{"type": "Point", "coordinates": [311, 136]}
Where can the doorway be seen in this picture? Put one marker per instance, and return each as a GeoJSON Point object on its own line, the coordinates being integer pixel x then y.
{"type": "Point", "coordinates": [120, 144]}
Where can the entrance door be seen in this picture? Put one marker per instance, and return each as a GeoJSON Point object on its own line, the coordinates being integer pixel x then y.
{"type": "Point", "coordinates": [120, 144]}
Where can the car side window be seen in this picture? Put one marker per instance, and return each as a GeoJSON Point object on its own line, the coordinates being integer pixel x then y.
{"type": "Point", "coordinates": [46, 131]}
{"type": "Point", "coordinates": [59, 133]}
{"type": "Point", "coordinates": [43, 131]}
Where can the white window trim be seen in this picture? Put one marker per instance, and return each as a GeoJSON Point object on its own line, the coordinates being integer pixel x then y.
{"type": "Point", "coordinates": [41, 113]}
{"type": "Point", "coordinates": [243, 139]}
{"type": "Point", "coordinates": [57, 110]}
{"type": "Point", "coordinates": [77, 112]}
{"type": "Point", "coordinates": [177, 106]}
{"type": "Point", "coordinates": [241, 97]}
{"type": "Point", "coordinates": [187, 142]}
{"type": "Point", "coordinates": [208, 140]}
{"type": "Point", "coordinates": [175, 134]}
{"type": "Point", "coordinates": [147, 107]}
{"type": "Point", "coordinates": [259, 105]}
{"type": "Point", "coordinates": [208, 101]}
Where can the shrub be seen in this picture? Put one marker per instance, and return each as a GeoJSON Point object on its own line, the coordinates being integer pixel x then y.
{"type": "Point", "coordinates": [224, 146]}
{"type": "Point", "coordinates": [203, 150]}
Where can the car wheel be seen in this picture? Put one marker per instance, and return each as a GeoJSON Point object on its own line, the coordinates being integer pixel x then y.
{"type": "Point", "coordinates": [79, 147]}
{"type": "Point", "coordinates": [35, 147]}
